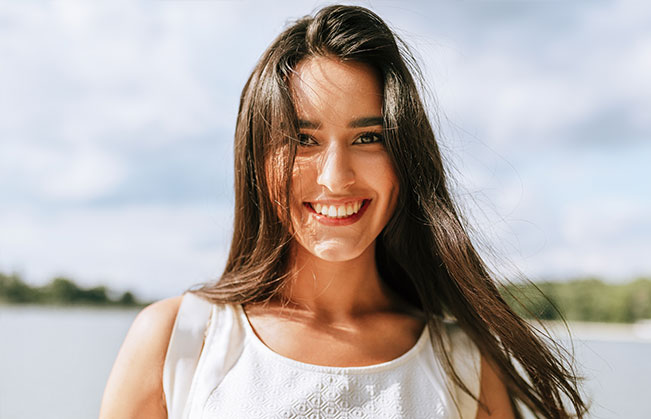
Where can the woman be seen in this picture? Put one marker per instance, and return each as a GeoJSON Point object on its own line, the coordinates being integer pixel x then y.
{"type": "Point", "coordinates": [347, 257]}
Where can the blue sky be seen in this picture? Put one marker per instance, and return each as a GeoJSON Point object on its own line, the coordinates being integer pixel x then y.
{"type": "Point", "coordinates": [116, 124]}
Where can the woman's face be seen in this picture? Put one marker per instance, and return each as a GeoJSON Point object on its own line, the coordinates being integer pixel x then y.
{"type": "Point", "coordinates": [344, 187]}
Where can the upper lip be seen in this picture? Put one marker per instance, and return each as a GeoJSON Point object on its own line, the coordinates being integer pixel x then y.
{"type": "Point", "coordinates": [338, 201]}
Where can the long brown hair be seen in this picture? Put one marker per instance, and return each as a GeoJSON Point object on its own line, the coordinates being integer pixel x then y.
{"type": "Point", "coordinates": [424, 253]}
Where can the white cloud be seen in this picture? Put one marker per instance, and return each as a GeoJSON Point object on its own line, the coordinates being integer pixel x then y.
{"type": "Point", "coordinates": [86, 85]}
{"type": "Point", "coordinates": [584, 239]}
{"type": "Point", "coordinates": [153, 250]}
{"type": "Point", "coordinates": [605, 239]}
{"type": "Point", "coordinates": [71, 173]}
{"type": "Point", "coordinates": [564, 213]}
{"type": "Point", "coordinates": [531, 86]}
{"type": "Point", "coordinates": [605, 233]}
{"type": "Point", "coordinates": [548, 129]}
{"type": "Point", "coordinates": [108, 72]}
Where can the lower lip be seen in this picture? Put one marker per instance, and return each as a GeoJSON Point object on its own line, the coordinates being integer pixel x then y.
{"type": "Point", "coordinates": [343, 221]}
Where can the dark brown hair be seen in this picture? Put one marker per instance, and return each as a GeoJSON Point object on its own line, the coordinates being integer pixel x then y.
{"type": "Point", "coordinates": [424, 253]}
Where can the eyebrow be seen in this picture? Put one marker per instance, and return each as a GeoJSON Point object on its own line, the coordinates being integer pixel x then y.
{"type": "Point", "coordinates": [368, 121]}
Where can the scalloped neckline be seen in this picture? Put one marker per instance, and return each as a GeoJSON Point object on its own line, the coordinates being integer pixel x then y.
{"type": "Point", "coordinates": [252, 336]}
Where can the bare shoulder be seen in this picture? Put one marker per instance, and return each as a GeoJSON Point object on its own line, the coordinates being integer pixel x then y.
{"type": "Point", "coordinates": [493, 393]}
{"type": "Point", "coordinates": [135, 386]}
{"type": "Point", "coordinates": [157, 318]}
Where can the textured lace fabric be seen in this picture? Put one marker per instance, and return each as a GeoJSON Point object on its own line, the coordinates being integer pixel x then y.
{"type": "Point", "coordinates": [265, 384]}
{"type": "Point", "coordinates": [237, 376]}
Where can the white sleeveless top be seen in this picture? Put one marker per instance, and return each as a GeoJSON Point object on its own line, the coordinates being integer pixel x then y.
{"type": "Point", "coordinates": [235, 375]}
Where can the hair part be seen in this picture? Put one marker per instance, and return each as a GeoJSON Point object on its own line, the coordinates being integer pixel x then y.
{"type": "Point", "coordinates": [424, 254]}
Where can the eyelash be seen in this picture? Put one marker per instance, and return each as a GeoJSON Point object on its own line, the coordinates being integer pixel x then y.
{"type": "Point", "coordinates": [306, 140]}
{"type": "Point", "coordinates": [375, 137]}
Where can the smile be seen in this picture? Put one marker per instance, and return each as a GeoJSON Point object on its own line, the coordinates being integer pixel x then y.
{"type": "Point", "coordinates": [338, 212]}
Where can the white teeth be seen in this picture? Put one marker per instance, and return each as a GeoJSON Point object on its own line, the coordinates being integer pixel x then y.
{"type": "Point", "coordinates": [334, 211]}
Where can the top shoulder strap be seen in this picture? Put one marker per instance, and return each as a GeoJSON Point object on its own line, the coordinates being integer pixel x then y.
{"type": "Point", "coordinates": [183, 351]}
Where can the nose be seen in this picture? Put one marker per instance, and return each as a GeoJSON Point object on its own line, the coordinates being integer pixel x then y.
{"type": "Point", "coordinates": [336, 170]}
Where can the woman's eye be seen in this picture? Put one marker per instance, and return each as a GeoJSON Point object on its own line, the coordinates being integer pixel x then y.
{"type": "Point", "coordinates": [306, 140]}
{"type": "Point", "coordinates": [369, 138]}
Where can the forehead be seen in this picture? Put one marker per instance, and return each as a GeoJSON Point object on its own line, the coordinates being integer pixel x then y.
{"type": "Point", "coordinates": [326, 87]}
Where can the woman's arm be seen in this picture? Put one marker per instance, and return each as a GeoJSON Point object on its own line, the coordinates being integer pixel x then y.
{"type": "Point", "coordinates": [135, 386]}
{"type": "Point", "coordinates": [493, 394]}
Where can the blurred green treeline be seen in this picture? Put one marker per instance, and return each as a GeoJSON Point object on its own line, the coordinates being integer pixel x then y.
{"type": "Point", "coordinates": [586, 299]}
{"type": "Point", "coordinates": [61, 291]}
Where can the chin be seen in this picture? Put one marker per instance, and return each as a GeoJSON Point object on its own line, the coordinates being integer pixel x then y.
{"type": "Point", "coordinates": [336, 252]}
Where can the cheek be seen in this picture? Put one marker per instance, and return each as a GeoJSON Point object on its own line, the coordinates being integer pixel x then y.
{"type": "Point", "coordinates": [392, 180]}
{"type": "Point", "coordinates": [393, 199]}
{"type": "Point", "coordinates": [303, 174]}
{"type": "Point", "coordinates": [389, 183]}
{"type": "Point", "coordinates": [382, 173]}
{"type": "Point", "coordinates": [297, 194]}
{"type": "Point", "coordinates": [298, 179]}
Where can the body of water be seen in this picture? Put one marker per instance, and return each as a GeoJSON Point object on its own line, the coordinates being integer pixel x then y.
{"type": "Point", "coordinates": [54, 363]}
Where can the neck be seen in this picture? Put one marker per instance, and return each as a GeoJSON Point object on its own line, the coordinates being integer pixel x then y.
{"type": "Point", "coordinates": [336, 289]}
